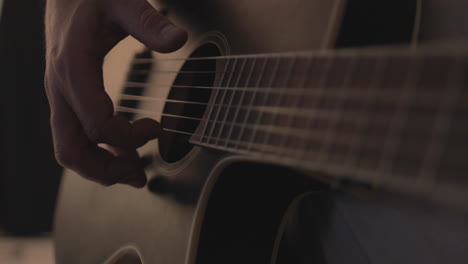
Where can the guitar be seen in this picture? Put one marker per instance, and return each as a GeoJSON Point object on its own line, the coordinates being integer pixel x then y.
{"type": "Point", "coordinates": [268, 103]}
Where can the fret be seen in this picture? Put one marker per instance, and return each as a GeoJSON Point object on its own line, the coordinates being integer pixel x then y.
{"type": "Point", "coordinates": [246, 133]}
{"type": "Point", "coordinates": [372, 72]}
{"type": "Point", "coordinates": [213, 105]}
{"type": "Point", "coordinates": [322, 68]}
{"type": "Point", "coordinates": [353, 112]}
{"type": "Point", "coordinates": [240, 103]}
{"type": "Point", "coordinates": [408, 77]}
{"type": "Point", "coordinates": [270, 78]}
{"type": "Point", "coordinates": [220, 102]}
{"type": "Point", "coordinates": [292, 117]}
{"type": "Point", "coordinates": [278, 102]}
{"type": "Point", "coordinates": [350, 112]}
{"type": "Point", "coordinates": [442, 121]}
{"type": "Point", "coordinates": [343, 109]}
{"type": "Point", "coordinates": [342, 86]}
{"type": "Point", "coordinates": [388, 120]}
{"type": "Point", "coordinates": [302, 133]}
{"type": "Point", "coordinates": [426, 81]}
{"type": "Point", "coordinates": [452, 167]}
{"type": "Point", "coordinates": [231, 95]}
{"type": "Point", "coordinates": [374, 133]}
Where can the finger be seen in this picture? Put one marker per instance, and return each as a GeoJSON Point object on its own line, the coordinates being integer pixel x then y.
{"type": "Point", "coordinates": [142, 21]}
{"type": "Point", "coordinates": [136, 180]}
{"type": "Point", "coordinates": [73, 150]}
{"type": "Point", "coordinates": [84, 91]}
{"type": "Point", "coordinates": [118, 131]}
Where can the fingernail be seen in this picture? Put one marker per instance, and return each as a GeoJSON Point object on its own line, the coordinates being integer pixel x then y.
{"type": "Point", "coordinates": [169, 30]}
{"type": "Point", "coordinates": [172, 32]}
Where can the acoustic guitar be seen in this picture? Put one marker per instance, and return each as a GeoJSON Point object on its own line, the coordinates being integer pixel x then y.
{"type": "Point", "coordinates": [269, 103]}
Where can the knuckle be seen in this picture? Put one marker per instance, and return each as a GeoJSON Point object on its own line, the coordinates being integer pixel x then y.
{"type": "Point", "coordinates": [150, 17]}
{"type": "Point", "coordinates": [68, 153]}
{"type": "Point", "coordinates": [55, 56]}
{"type": "Point", "coordinates": [46, 82]}
{"type": "Point", "coordinates": [58, 63]}
{"type": "Point", "coordinates": [106, 182]}
{"type": "Point", "coordinates": [93, 133]}
{"type": "Point", "coordinates": [64, 157]}
{"type": "Point", "coordinates": [47, 87]}
{"type": "Point", "coordinates": [106, 179]}
{"type": "Point", "coordinates": [115, 131]}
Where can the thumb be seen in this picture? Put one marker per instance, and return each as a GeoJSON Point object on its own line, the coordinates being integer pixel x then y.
{"type": "Point", "coordinates": [139, 19]}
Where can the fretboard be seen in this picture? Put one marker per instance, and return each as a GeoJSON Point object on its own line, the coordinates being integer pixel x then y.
{"type": "Point", "coordinates": [397, 119]}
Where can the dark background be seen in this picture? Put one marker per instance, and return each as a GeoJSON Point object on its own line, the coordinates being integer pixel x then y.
{"type": "Point", "coordinates": [29, 175]}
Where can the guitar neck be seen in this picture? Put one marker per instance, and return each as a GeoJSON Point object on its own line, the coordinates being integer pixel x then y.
{"type": "Point", "coordinates": [394, 118]}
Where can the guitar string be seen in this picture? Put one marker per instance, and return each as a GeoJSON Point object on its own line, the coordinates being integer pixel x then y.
{"type": "Point", "coordinates": [270, 81]}
{"type": "Point", "coordinates": [274, 77]}
{"type": "Point", "coordinates": [133, 97]}
{"type": "Point", "coordinates": [190, 59]}
{"type": "Point", "coordinates": [245, 56]}
{"type": "Point", "coordinates": [321, 83]}
{"type": "Point", "coordinates": [293, 55]}
{"type": "Point", "coordinates": [357, 93]}
{"type": "Point", "coordinates": [288, 90]}
{"type": "Point", "coordinates": [195, 87]}
{"type": "Point", "coordinates": [261, 108]}
{"type": "Point", "coordinates": [254, 96]}
{"type": "Point", "coordinates": [241, 99]}
{"type": "Point", "coordinates": [223, 126]}
{"type": "Point", "coordinates": [215, 98]}
{"type": "Point", "coordinates": [276, 89]}
{"type": "Point", "coordinates": [384, 97]}
{"type": "Point", "coordinates": [265, 147]}
{"type": "Point", "coordinates": [296, 103]}
{"type": "Point", "coordinates": [296, 131]}
{"type": "Point", "coordinates": [457, 49]}
{"type": "Point", "coordinates": [192, 72]}
{"type": "Point", "coordinates": [222, 100]}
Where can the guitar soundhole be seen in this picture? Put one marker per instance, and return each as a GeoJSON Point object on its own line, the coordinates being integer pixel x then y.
{"type": "Point", "coordinates": [188, 100]}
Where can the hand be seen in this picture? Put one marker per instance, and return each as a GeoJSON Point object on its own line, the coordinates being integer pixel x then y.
{"type": "Point", "coordinates": [79, 33]}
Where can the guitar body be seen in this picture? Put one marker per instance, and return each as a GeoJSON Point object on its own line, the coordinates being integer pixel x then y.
{"type": "Point", "coordinates": [205, 205]}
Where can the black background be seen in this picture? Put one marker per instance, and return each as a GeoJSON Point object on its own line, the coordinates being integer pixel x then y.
{"type": "Point", "coordinates": [29, 175]}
